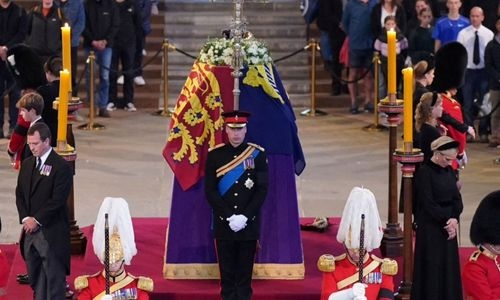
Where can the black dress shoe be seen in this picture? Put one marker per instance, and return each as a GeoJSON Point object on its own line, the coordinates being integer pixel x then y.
{"type": "Point", "coordinates": [23, 279]}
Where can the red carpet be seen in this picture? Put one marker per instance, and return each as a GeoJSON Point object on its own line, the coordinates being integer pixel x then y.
{"type": "Point", "coordinates": [150, 240]}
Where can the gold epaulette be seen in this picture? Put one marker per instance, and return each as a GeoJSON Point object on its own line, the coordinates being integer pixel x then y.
{"type": "Point", "coordinates": [326, 262]}
{"type": "Point", "coordinates": [257, 146]}
{"type": "Point", "coordinates": [145, 284]}
{"type": "Point", "coordinates": [82, 281]}
{"type": "Point", "coordinates": [474, 256]}
{"type": "Point", "coordinates": [388, 266]}
{"type": "Point", "coordinates": [215, 147]}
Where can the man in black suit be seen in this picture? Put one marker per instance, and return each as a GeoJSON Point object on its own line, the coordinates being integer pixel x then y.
{"type": "Point", "coordinates": [236, 180]}
{"type": "Point", "coordinates": [43, 186]}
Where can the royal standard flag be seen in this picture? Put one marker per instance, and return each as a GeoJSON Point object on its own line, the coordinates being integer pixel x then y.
{"type": "Point", "coordinates": [196, 125]}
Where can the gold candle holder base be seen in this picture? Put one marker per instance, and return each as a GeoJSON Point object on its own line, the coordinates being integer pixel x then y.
{"type": "Point", "coordinates": [64, 147]}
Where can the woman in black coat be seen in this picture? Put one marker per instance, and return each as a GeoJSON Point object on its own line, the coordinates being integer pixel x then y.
{"type": "Point", "coordinates": [438, 203]}
{"type": "Point", "coordinates": [382, 10]}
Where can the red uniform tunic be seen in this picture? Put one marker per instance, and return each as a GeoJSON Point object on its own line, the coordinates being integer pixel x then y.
{"type": "Point", "coordinates": [454, 109]}
{"type": "Point", "coordinates": [125, 284]}
{"type": "Point", "coordinates": [481, 276]}
{"type": "Point", "coordinates": [379, 285]}
{"type": "Point", "coordinates": [18, 139]}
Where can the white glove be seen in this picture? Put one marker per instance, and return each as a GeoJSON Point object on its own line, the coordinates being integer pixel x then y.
{"type": "Point", "coordinates": [358, 291]}
{"type": "Point", "coordinates": [465, 159]}
{"type": "Point", "coordinates": [240, 221]}
{"type": "Point", "coordinates": [154, 9]}
{"type": "Point", "coordinates": [237, 222]}
{"type": "Point", "coordinates": [231, 224]}
{"type": "Point", "coordinates": [107, 297]}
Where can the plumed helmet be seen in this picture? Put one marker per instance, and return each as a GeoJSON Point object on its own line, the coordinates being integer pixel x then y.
{"type": "Point", "coordinates": [485, 226]}
{"type": "Point", "coordinates": [450, 65]}
{"type": "Point", "coordinates": [360, 201]}
{"type": "Point", "coordinates": [26, 66]}
{"type": "Point", "coordinates": [121, 232]}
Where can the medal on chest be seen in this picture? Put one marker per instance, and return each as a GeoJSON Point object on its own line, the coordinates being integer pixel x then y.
{"type": "Point", "coordinates": [249, 163]}
{"type": "Point", "coordinates": [373, 278]}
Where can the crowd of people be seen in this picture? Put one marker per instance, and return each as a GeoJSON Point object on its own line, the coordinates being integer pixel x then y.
{"type": "Point", "coordinates": [421, 27]}
{"type": "Point", "coordinates": [98, 22]}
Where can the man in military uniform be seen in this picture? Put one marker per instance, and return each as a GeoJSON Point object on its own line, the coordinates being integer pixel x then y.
{"type": "Point", "coordinates": [481, 274]}
{"type": "Point", "coordinates": [122, 285]}
{"type": "Point", "coordinates": [236, 180]}
{"type": "Point", "coordinates": [341, 274]}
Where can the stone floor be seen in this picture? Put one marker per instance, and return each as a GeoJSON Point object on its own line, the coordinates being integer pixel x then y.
{"type": "Point", "coordinates": [124, 160]}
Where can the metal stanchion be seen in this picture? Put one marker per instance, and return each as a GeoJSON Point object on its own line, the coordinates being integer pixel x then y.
{"type": "Point", "coordinates": [313, 111]}
{"type": "Point", "coordinates": [91, 125]}
{"type": "Point", "coordinates": [375, 126]}
{"type": "Point", "coordinates": [165, 111]}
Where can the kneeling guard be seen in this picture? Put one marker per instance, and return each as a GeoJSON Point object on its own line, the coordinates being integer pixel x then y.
{"type": "Point", "coordinates": [114, 245]}
{"type": "Point", "coordinates": [357, 274]}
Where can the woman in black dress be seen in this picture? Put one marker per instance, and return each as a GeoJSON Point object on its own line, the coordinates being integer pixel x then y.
{"type": "Point", "coordinates": [436, 273]}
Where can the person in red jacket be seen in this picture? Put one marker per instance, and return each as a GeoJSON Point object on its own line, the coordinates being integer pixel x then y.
{"type": "Point", "coordinates": [123, 285]}
{"type": "Point", "coordinates": [450, 66]}
{"type": "Point", "coordinates": [341, 274]}
{"type": "Point", "coordinates": [481, 274]}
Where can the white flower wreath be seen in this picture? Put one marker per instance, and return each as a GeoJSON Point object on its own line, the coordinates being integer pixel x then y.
{"type": "Point", "coordinates": [220, 52]}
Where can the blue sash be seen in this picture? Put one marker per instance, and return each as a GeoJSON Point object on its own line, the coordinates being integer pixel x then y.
{"type": "Point", "coordinates": [227, 181]}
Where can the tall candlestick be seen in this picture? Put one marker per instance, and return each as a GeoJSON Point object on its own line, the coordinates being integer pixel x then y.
{"type": "Point", "coordinates": [408, 105]}
{"type": "Point", "coordinates": [391, 61]}
{"type": "Point", "coordinates": [66, 48]}
{"type": "Point", "coordinates": [62, 109]}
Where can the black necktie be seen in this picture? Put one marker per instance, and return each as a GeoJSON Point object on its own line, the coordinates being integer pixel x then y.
{"type": "Point", "coordinates": [475, 55]}
{"type": "Point", "coordinates": [38, 163]}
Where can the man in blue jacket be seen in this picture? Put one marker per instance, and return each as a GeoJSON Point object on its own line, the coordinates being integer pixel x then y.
{"type": "Point", "coordinates": [357, 25]}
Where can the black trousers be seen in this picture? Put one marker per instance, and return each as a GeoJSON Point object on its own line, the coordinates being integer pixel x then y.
{"type": "Point", "coordinates": [125, 55]}
{"type": "Point", "coordinates": [236, 260]}
{"type": "Point", "coordinates": [46, 271]}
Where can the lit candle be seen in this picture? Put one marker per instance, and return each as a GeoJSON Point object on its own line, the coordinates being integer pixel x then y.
{"type": "Point", "coordinates": [62, 109]}
{"type": "Point", "coordinates": [391, 62]}
{"type": "Point", "coordinates": [408, 105]}
{"type": "Point", "coordinates": [66, 48]}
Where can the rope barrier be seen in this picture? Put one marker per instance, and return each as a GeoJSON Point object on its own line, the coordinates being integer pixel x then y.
{"type": "Point", "coordinates": [292, 54]}
{"type": "Point", "coordinates": [183, 52]}
{"type": "Point", "coordinates": [174, 48]}
{"type": "Point", "coordinates": [131, 71]}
